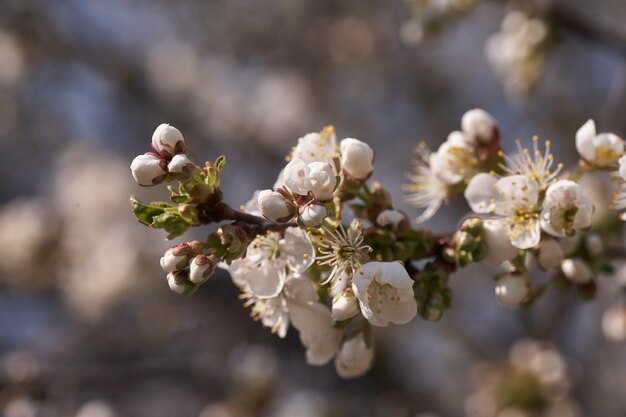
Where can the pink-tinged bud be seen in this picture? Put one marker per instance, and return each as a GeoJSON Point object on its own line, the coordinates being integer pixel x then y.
{"type": "Point", "coordinates": [176, 258]}
{"type": "Point", "coordinates": [148, 170]}
{"type": "Point", "coordinates": [178, 163]}
{"type": "Point", "coordinates": [357, 158]}
{"type": "Point", "coordinates": [313, 215]}
{"type": "Point", "coordinates": [273, 206]}
{"type": "Point", "coordinates": [168, 141]}
{"type": "Point", "coordinates": [200, 269]}
{"type": "Point", "coordinates": [345, 305]}
{"type": "Point", "coordinates": [479, 126]}
{"type": "Point", "coordinates": [180, 284]}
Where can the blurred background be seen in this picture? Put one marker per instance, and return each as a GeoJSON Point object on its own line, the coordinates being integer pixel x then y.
{"type": "Point", "coordinates": [88, 326]}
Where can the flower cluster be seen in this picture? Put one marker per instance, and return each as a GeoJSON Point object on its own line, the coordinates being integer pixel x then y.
{"type": "Point", "coordinates": [299, 264]}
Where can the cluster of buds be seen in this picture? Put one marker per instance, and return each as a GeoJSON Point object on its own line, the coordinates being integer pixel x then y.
{"type": "Point", "coordinates": [311, 178]}
{"type": "Point", "coordinates": [187, 267]}
{"type": "Point", "coordinates": [433, 294]}
{"type": "Point", "coordinates": [468, 244]}
{"type": "Point", "coordinates": [167, 158]}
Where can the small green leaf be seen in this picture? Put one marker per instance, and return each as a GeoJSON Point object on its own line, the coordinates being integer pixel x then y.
{"type": "Point", "coordinates": [145, 213]}
{"type": "Point", "coordinates": [220, 162]}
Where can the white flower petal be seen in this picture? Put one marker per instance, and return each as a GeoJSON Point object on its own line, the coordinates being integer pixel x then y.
{"type": "Point", "coordinates": [481, 193]}
{"type": "Point", "coordinates": [585, 137]}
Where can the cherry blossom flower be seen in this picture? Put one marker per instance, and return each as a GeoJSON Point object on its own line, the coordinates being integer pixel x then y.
{"type": "Point", "coordinates": [601, 149]}
{"type": "Point", "coordinates": [355, 357]}
{"type": "Point", "coordinates": [385, 293]}
{"type": "Point", "coordinates": [514, 200]}
{"type": "Point", "coordinates": [565, 209]}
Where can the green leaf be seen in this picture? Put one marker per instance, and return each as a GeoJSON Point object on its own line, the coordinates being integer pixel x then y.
{"type": "Point", "coordinates": [145, 213]}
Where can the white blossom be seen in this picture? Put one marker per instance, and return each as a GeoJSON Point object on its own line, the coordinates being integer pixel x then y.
{"type": "Point", "coordinates": [320, 180]}
{"type": "Point", "coordinates": [513, 200]}
{"type": "Point", "coordinates": [345, 305]}
{"type": "Point", "coordinates": [601, 149]}
{"type": "Point", "coordinates": [342, 250]}
{"type": "Point", "coordinates": [479, 126]}
{"type": "Point", "coordinates": [385, 293]}
{"type": "Point", "coordinates": [512, 290]}
{"type": "Point", "coordinates": [532, 163]}
{"type": "Point", "coordinates": [455, 160]}
{"type": "Point", "coordinates": [178, 163]}
{"type": "Point", "coordinates": [168, 141]}
{"type": "Point", "coordinates": [313, 215]}
{"type": "Point", "coordinates": [357, 158]}
{"type": "Point", "coordinates": [273, 206]}
{"type": "Point", "coordinates": [565, 209]}
{"type": "Point", "coordinates": [355, 357]}
{"type": "Point", "coordinates": [270, 260]}
{"type": "Point", "coordinates": [317, 147]}
{"type": "Point", "coordinates": [577, 270]}
{"type": "Point", "coordinates": [426, 190]}
{"type": "Point", "coordinates": [148, 170]}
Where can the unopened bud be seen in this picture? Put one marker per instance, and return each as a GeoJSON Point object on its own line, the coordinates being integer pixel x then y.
{"type": "Point", "coordinates": [512, 290]}
{"type": "Point", "coordinates": [273, 206]}
{"type": "Point", "coordinates": [614, 323]}
{"type": "Point", "coordinates": [390, 217]}
{"type": "Point", "coordinates": [179, 163]}
{"type": "Point", "coordinates": [201, 268]}
{"type": "Point", "coordinates": [180, 284]}
{"type": "Point", "coordinates": [148, 170]}
{"type": "Point", "coordinates": [345, 305]}
{"type": "Point", "coordinates": [320, 180]}
{"type": "Point", "coordinates": [480, 126]}
{"type": "Point", "coordinates": [176, 258]}
{"type": "Point", "coordinates": [576, 271]}
{"type": "Point", "coordinates": [354, 358]}
{"type": "Point", "coordinates": [594, 245]}
{"type": "Point", "coordinates": [357, 158]}
{"type": "Point", "coordinates": [313, 215]}
{"type": "Point", "coordinates": [550, 254]}
{"type": "Point", "coordinates": [168, 141]}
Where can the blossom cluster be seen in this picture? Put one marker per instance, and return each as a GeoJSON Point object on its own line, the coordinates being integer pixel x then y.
{"type": "Point", "coordinates": [325, 252]}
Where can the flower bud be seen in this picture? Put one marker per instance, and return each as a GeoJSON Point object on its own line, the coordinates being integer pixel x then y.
{"type": "Point", "coordinates": [176, 258]}
{"type": "Point", "coordinates": [594, 245]}
{"type": "Point", "coordinates": [320, 180]}
{"type": "Point", "coordinates": [390, 217]}
{"type": "Point", "coordinates": [180, 284]}
{"type": "Point", "coordinates": [511, 290]}
{"type": "Point", "coordinates": [576, 271]}
{"type": "Point", "coordinates": [550, 254]}
{"type": "Point", "coordinates": [178, 163]}
{"type": "Point", "coordinates": [614, 323]}
{"type": "Point", "coordinates": [479, 126]}
{"type": "Point", "coordinates": [313, 215]}
{"type": "Point", "coordinates": [168, 141]}
{"type": "Point", "coordinates": [201, 268]}
{"type": "Point", "coordinates": [273, 206]}
{"type": "Point", "coordinates": [357, 158]}
{"type": "Point", "coordinates": [355, 358]}
{"type": "Point", "coordinates": [345, 305]}
{"type": "Point", "coordinates": [499, 247]}
{"type": "Point", "coordinates": [147, 170]}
